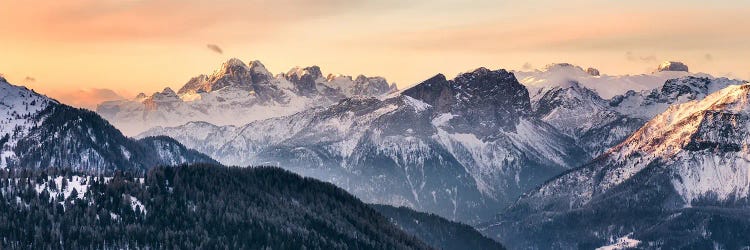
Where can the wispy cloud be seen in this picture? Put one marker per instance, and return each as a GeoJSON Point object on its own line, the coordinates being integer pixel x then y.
{"type": "Point", "coordinates": [86, 98]}
{"type": "Point", "coordinates": [29, 79]}
{"type": "Point", "coordinates": [641, 58]}
{"type": "Point", "coordinates": [215, 48]}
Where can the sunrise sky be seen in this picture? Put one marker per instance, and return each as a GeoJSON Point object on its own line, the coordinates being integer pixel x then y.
{"type": "Point", "coordinates": [82, 51]}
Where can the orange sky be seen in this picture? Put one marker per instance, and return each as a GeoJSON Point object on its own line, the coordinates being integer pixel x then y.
{"type": "Point", "coordinates": [85, 51]}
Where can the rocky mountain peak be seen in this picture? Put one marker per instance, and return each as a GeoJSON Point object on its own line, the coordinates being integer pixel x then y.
{"type": "Point", "coordinates": [593, 72]}
{"type": "Point", "coordinates": [304, 79]}
{"type": "Point", "coordinates": [393, 87]}
{"type": "Point", "coordinates": [312, 72]}
{"type": "Point", "coordinates": [485, 78]}
{"type": "Point", "coordinates": [482, 99]}
{"type": "Point", "coordinates": [233, 62]}
{"type": "Point", "coordinates": [648, 103]}
{"type": "Point", "coordinates": [370, 86]}
{"type": "Point", "coordinates": [570, 95]}
{"type": "Point", "coordinates": [258, 68]}
{"type": "Point", "coordinates": [168, 91]}
{"type": "Point", "coordinates": [232, 66]}
{"type": "Point", "coordinates": [333, 77]}
{"type": "Point", "coordinates": [361, 78]}
{"type": "Point", "coordinates": [672, 66]}
{"type": "Point", "coordinates": [685, 126]}
{"type": "Point", "coordinates": [232, 73]}
{"type": "Point", "coordinates": [165, 97]}
{"type": "Point", "coordinates": [435, 91]}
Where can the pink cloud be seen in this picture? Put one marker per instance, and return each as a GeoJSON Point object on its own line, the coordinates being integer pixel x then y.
{"type": "Point", "coordinates": [86, 98]}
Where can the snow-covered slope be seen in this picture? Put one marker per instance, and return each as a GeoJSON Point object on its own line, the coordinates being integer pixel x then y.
{"type": "Point", "coordinates": [648, 103]}
{"type": "Point", "coordinates": [460, 148]}
{"type": "Point", "coordinates": [17, 106]}
{"type": "Point", "coordinates": [581, 114]}
{"type": "Point", "coordinates": [689, 163]}
{"type": "Point", "coordinates": [38, 132]}
{"type": "Point", "coordinates": [236, 94]}
{"type": "Point", "coordinates": [598, 124]}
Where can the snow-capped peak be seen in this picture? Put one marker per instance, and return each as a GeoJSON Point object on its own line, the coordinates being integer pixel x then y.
{"type": "Point", "coordinates": [648, 103]}
{"type": "Point", "coordinates": [675, 128]}
{"type": "Point", "coordinates": [257, 67]}
{"type": "Point", "coordinates": [593, 71]}
{"type": "Point", "coordinates": [571, 108]}
{"type": "Point", "coordinates": [704, 143]}
{"type": "Point", "coordinates": [232, 66]}
{"type": "Point", "coordinates": [333, 77]}
{"type": "Point", "coordinates": [313, 72]}
{"type": "Point", "coordinates": [168, 91]}
{"type": "Point", "coordinates": [232, 62]}
{"type": "Point", "coordinates": [17, 107]}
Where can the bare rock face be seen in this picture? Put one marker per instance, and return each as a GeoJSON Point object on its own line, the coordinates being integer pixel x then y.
{"type": "Point", "coordinates": [672, 66]}
{"type": "Point", "coordinates": [593, 71]}
{"type": "Point", "coordinates": [503, 99]}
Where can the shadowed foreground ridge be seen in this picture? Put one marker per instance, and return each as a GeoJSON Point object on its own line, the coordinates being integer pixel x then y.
{"type": "Point", "coordinates": [188, 207]}
{"type": "Point", "coordinates": [437, 231]}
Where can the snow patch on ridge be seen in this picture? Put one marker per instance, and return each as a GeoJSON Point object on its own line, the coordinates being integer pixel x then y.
{"type": "Point", "coordinates": [622, 243]}
{"type": "Point", "coordinates": [418, 105]}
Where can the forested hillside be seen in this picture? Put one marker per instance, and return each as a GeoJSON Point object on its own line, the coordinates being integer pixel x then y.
{"type": "Point", "coordinates": [187, 207]}
{"type": "Point", "coordinates": [437, 231]}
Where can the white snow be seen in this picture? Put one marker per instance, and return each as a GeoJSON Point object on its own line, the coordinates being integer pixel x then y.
{"type": "Point", "coordinates": [418, 105]}
{"type": "Point", "coordinates": [442, 119]}
{"type": "Point", "coordinates": [136, 204]}
{"type": "Point", "coordinates": [706, 173]}
{"type": "Point", "coordinates": [624, 242]}
{"type": "Point", "coordinates": [606, 86]}
{"type": "Point", "coordinates": [17, 106]}
{"type": "Point", "coordinates": [79, 183]}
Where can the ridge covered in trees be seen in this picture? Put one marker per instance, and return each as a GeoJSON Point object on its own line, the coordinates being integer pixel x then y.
{"type": "Point", "coordinates": [187, 207]}
{"type": "Point", "coordinates": [435, 230]}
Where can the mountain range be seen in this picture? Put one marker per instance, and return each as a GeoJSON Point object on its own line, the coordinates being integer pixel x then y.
{"type": "Point", "coordinates": [680, 181]}
{"type": "Point", "coordinates": [598, 124]}
{"type": "Point", "coordinates": [39, 132]}
{"type": "Point", "coordinates": [196, 206]}
{"type": "Point", "coordinates": [460, 148]}
{"type": "Point", "coordinates": [69, 179]}
{"type": "Point", "coordinates": [558, 158]}
{"type": "Point", "coordinates": [238, 93]}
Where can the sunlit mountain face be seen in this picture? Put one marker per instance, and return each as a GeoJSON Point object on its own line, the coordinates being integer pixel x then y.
{"type": "Point", "coordinates": [374, 124]}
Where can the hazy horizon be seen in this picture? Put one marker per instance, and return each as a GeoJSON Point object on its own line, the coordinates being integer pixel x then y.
{"type": "Point", "coordinates": [85, 51]}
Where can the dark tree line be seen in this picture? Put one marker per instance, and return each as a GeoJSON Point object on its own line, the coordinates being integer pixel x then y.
{"type": "Point", "coordinates": [187, 207]}
{"type": "Point", "coordinates": [437, 231]}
